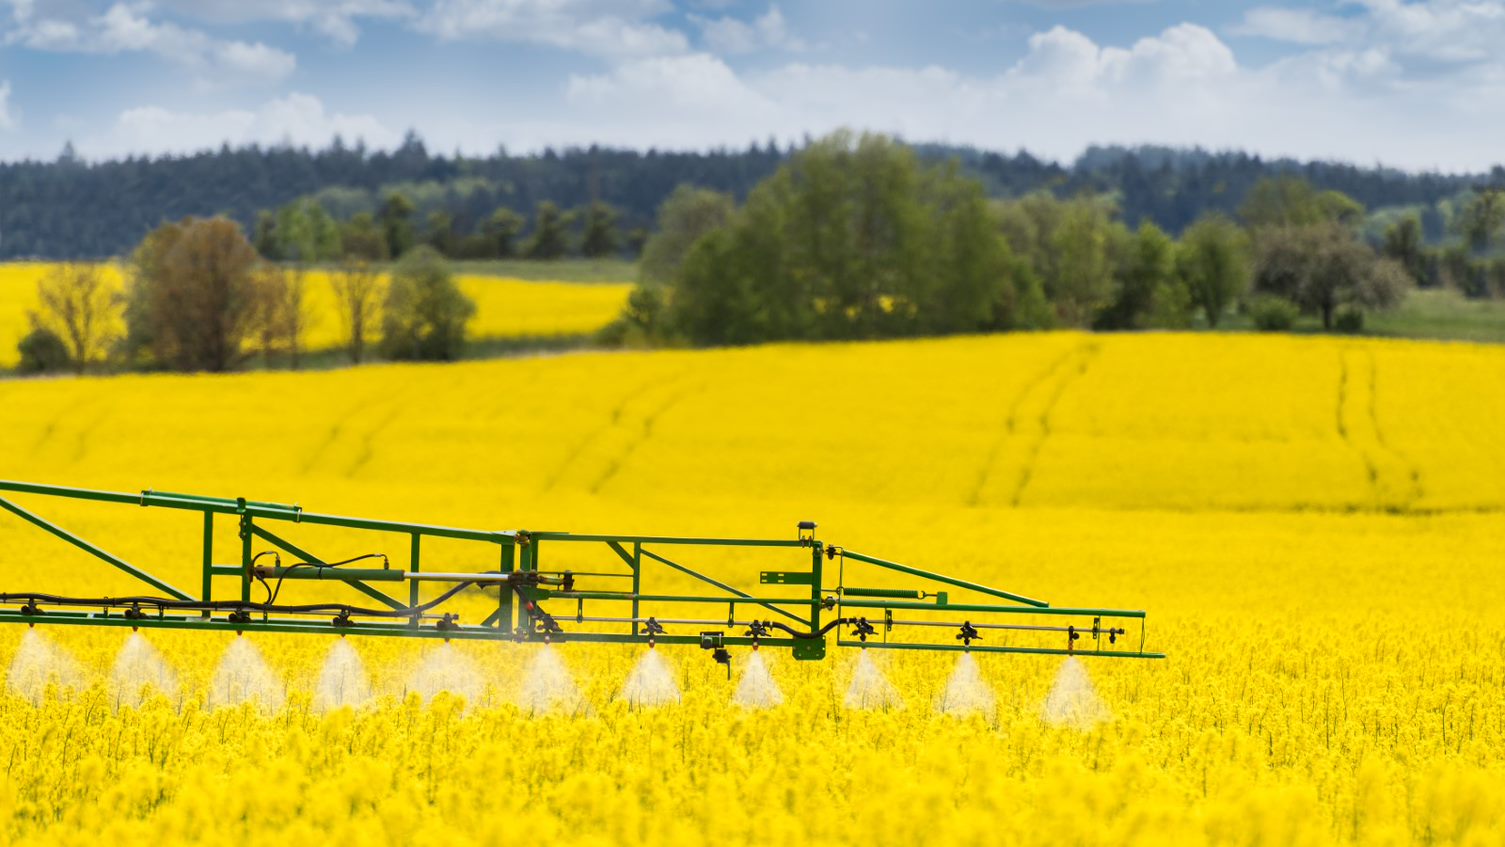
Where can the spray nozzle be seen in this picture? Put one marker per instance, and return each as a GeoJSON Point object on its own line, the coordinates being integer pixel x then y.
{"type": "Point", "coordinates": [968, 633]}
{"type": "Point", "coordinates": [1071, 638]}
{"type": "Point", "coordinates": [343, 620]}
{"type": "Point", "coordinates": [862, 629]}
{"type": "Point", "coordinates": [722, 657]}
{"type": "Point", "coordinates": [757, 629]}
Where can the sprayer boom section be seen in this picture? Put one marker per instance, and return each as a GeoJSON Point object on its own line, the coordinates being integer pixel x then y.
{"type": "Point", "coordinates": [514, 585]}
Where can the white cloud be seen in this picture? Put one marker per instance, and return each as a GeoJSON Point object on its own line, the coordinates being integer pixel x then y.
{"type": "Point", "coordinates": [299, 119]}
{"type": "Point", "coordinates": [126, 28]}
{"type": "Point", "coordinates": [1183, 86]}
{"type": "Point", "coordinates": [728, 35]}
{"type": "Point", "coordinates": [1458, 31]}
{"type": "Point", "coordinates": [609, 28]}
{"type": "Point", "coordinates": [7, 120]}
{"type": "Point", "coordinates": [1295, 26]}
{"type": "Point", "coordinates": [338, 20]}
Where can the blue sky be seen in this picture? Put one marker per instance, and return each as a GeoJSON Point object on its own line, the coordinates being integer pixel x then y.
{"type": "Point", "coordinates": [1410, 83]}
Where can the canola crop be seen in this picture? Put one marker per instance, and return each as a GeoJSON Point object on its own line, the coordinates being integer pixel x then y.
{"type": "Point", "coordinates": [1315, 526]}
{"type": "Point", "coordinates": [506, 309]}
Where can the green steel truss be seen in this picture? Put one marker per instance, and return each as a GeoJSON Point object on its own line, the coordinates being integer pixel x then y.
{"type": "Point", "coordinates": [796, 609]}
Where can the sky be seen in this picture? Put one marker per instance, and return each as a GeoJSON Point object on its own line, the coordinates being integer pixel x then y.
{"type": "Point", "coordinates": [1416, 84]}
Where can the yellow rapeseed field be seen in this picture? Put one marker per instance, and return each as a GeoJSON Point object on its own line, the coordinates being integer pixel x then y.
{"type": "Point", "coordinates": [505, 308]}
{"type": "Point", "coordinates": [1316, 526]}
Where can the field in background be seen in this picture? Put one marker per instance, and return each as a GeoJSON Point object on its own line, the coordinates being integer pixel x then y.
{"type": "Point", "coordinates": [507, 309]}
{"type": "Point", "coordinates": [1314, 524]}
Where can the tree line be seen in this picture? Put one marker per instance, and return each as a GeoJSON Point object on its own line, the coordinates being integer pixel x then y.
{"type": "Point", "coordinates": [198, 297]}
{"type": "Point", "coordinates": [53, 209]}
{"type": "Point", "coordinates": [858, 236]}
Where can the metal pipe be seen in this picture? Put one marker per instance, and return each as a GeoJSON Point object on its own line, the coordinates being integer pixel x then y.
{"type": "Point", "coordinates": [1010, 626]}
{"type": "Point", "coordinates": [959, 583]}
{"type": "Point", "coordinates": [1006, 610]}
{"type": "Point", "coordinates": [1031, 651]}
{"type": "Point", "coordinates": [680, 598]}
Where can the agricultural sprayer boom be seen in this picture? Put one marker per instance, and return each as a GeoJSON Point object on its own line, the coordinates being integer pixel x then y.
{"type": "Point", "coordinates": [612, 601]}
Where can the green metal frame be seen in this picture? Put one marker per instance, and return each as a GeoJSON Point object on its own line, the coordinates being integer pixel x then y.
{"type": "Point", "coordinates": [798, 619]}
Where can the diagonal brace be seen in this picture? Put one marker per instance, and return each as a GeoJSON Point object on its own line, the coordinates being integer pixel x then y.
{"type": "Point", "coordinates": [289, 547]}
{"type": "Point", "coordinates": [721, 585]}
{"type": "Point", "coordinates": [91, 549]}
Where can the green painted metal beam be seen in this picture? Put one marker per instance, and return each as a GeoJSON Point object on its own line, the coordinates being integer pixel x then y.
{"type": "Point", "coordinates": [98, 553]}
{"type": "Point", "coordinates": [306, 556]}
{"type": "Point", "coordinates": [959, 583]}
{"type": "Point", "coordinates": [721, 585]}
{"type": "Point", "coordinates": [1007, 610]}
{"type": "Point", "coordinates": [1028, 651]}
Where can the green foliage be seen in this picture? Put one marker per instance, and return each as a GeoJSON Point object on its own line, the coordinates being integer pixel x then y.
{"type": "Point", "coordinates": [501, 231]}
{"type": "Point", "coordinates": [191, 295]}
{"type": "Point", "coordinates": [600, 236]}
{"type": "Point", "coordinates": [1483, 218]}
{"type": "Point", "coordinates": [684, 217]}
{"type": "Point", "coordinates": [1322, 267]}
{"type": "Point", "coordinates": [1145, 272]}
{"type": "Point", "coordinates": [396, 212]}
{"type": "Point", "coordinates": [1273, 314]}
{"type": "Point", "coordinates": [1292, 201]}
{"type": "Point", "coordinates": [550, 239]}
{"type": "Point", "coordinates": [362, 238]}
{"type": "Point", "coordinates": [439, 232]}
{"type": "Point", "coordinates": [1403, 243]}
{"type": "Point", "coordinates": [1349, 320]}
{"type": "Point", "coordinates": [42, 351]}
{"type": "Point", "coordinates": [305, 233]}
{"type": "Point", "coordinates": [853, 238]}
{"type": "Point", "coordinates": [425, 314]}
{"type": "Point", "coordinates": [1071, 246]}
{"type": "Point", "coordinates": [1213, 262]}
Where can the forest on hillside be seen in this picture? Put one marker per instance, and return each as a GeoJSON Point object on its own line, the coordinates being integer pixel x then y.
{"type": "Point", "coordinates": [70, 208]}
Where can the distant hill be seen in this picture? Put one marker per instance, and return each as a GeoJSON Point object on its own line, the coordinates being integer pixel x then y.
{"type": "Point", "coordinates": [69, 208]}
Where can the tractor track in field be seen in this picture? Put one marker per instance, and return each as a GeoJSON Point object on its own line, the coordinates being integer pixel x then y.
{"type": "Point", "coordinates": [596, 434]}
{"type": "Point", "coordinates": [1394, 481]}
{"type": "Point", "coordinates": [51, 428]}
{"type": "Point", "coordinates": [81, 441]}
{"type": "Point", "coordinates": [1413, 471]}
{"type": "Point", "coordinates": [1041, 381]}
{"type": "Point", "coordinates": [1085, 354]}
{"type": "Point", "coordinates": [338, 429]}
{"type": "Point", "coordinates": [644, 433]}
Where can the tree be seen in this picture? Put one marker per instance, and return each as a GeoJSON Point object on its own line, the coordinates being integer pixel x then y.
{"type": "Point", "coordinates": [1071, 246]}
{"type": "Point", "coordinates": [1292, 201]}
{"type": "Point", "coordinates": [501, 231]}
{"type": "Point", "coordinates": [1324, 267]}
{"type": "Point", "coordinates": [1213, 261]}
{"type": "Point", "coordinates": [396, 211]}
{"type": "Point", "coordinates": [550, 240]}
{"type": "Point", "coordinates": [853, 237]}
{"type": "Point", "coordinates": [190, 292]}
{"type": "Point", "coordinates": [306, 234]}
{"type": "Point", "coordinates": [683, 218]}
{"type": "Point", "coordinates": [1403, 243]}
{"type": "Point", "coordinates": [439, 232]}
{"type": "Point", "coordinates": [1143, 274]}
{"type": "Point", "coordinates": [425, 312]}
{"type": "Point", "coordinates": [1483, 217]}
{"type": "Point", "coordinates": [78, 306]}
{"type": "Point", "coordinates": [600, 236]}
{"type": "Point", "coordinates": [42, 351]}
{"type": "Point", "coordinates": [357, 283]}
